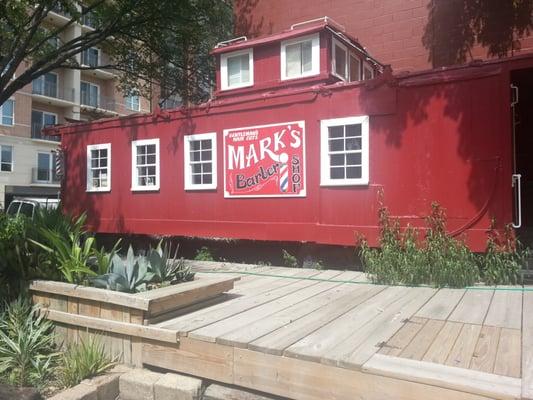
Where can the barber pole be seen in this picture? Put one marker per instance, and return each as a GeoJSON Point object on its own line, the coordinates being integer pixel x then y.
{"type": "Point", "coordinates": [284, 173]}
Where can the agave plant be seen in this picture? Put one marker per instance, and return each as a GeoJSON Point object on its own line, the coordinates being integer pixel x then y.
{"type": "Point", "coordinates": [129, 275]}
{"type": "Point", "coordinates": [165, 265]}
{"type": "Point", "coordinates": [101, 259]}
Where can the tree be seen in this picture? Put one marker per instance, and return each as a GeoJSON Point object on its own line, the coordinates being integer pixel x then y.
{"type": "Point", "coordinates": [147, 42]}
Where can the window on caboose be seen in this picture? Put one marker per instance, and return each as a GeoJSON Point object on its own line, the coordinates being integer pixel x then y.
{"type": "Point", "coordinates": [340, 60]}
{"type": "Point", "coordinates": [237, 69]}
{"type": "Point", "coordinates": [200, 161]}
{"type": "Point", "coordinates": [99, 167]}
{"type": "Point", "coordinates": [300, 57]}
{"type": "Point", "coordinates": [344, 151]}
{"type": "Point", "coordinates": [145, 165]}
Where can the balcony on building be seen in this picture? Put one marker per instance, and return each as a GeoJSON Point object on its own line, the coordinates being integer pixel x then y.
{"type": "Point", "coordinates": [93, 58]}
{"type": "Point", "coordinates": [46, 89]}
{"type": "Point", "coordinates": [96, 105]}
{"type": "Point", "coordinates": [58, 16]}
{"type": "Point", "coordinates": [40, 120]}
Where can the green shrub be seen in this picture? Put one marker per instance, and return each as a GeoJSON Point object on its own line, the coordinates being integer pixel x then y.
{"type": "Point", "coordinates": [204, 254]}
{"type": "Point", "coordinates": [503, 259]}
{"type": "Point", "coordinates": [288, 259]}
{"type": "Point", "coordinates": [82, 361]}
{"type": "Point", "coordinates": [69, 250]}
{"type": "Point", "coordinates": [26, 345]}
{"type": "Point", "coordinates": [402, 258]}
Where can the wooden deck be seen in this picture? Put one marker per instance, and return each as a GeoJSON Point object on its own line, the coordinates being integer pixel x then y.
{"type": "Point", "coordinates": [310, 334]}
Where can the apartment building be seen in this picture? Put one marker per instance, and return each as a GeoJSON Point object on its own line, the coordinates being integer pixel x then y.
{"type": "Point", "coordinates": [27, 156]}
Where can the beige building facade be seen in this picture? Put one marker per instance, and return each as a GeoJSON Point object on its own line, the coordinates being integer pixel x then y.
{"type": "Point", "coordinates": [27, 156]}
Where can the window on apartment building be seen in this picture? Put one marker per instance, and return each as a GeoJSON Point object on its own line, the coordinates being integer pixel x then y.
{"type": "Point", "coordinates": [300, 57]}
{"type": "Point", "coordinates": [8, 65]}
{"type": "Point", "coordinates": [45, 172]}
{"type": "Point", "coordinates": [200, 161]}
{"type": "Point", "coordinates": [7, 113]}
{"type": "Point", "coordinates": [89, 94]}
{"type": "Point", "coordinates": [344, 151]}
{"type": "Point", "coordinates": [99, 167]}
{"type": "Point", "coordinates": [40, 120]}
{"type": "Point", "coordinates": [237, 69]}
{"type": "Point", "coordinates": [45, 85]}
{"type": "Point", "coordinates": [132, 102]}
{"type": "Point", "coordinates": [145, 164]}
{"type": "Point", "coordinates": [6, 158]}
{"type": "Point", "coordinates": [90, 57]}
{"type": "Point", "coordinates": [87, 18]}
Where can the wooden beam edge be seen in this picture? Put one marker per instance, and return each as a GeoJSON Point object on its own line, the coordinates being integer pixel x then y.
{"type": "Point", "coordinates": [124, 328]}
{"type": "Point", "coordinates": [465, 380]}
{"type": "Point", "coordinates": [90, 293]}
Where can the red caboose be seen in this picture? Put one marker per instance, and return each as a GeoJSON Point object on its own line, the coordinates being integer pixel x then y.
{"type": "Point", "coordinates": [304, 130]}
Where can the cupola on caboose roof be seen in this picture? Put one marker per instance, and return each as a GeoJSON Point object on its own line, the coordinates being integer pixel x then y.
{"type": "Point", "coordinates": [310, 52]}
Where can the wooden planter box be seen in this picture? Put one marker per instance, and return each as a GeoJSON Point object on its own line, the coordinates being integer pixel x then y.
{"type": "Point", "coordinates": [120, 320]}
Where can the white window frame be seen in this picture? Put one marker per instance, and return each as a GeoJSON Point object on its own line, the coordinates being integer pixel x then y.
{"type": "Point", "coordinates": [325, 179]}
{"type": "Point", "coordinates": [12, 158]}
{"type": "Point", "coordinates": [98, 105]}
{"type": "Point", "coordinates": [367, 66]}
{"type": "Point", "coordinates": [128, 99]}
{"type": "Point", "coordinates": [50, 167]}
{"type": "Point", "coordinates": [189, 185]}
{"type": "Point", "coordinates": [359, 63]}
{"type": "Point", "coordinates": [335, 43]}
{"type": "Point", "coordinates": [47, 113]}
{"type": "Point", "coordinates": [315, 56]}
{"type": "Point", "coordinates": [90, 187]}
{"type": "Point", "coordinates": [12, 114]}
{"type": "Point", "coordinates": [135, 187]}
{"type": "Point", "coordinates": [224, 81]}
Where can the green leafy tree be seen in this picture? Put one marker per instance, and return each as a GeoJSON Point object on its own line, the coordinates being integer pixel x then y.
{"type": "Point", "coordinates": [148, 42]}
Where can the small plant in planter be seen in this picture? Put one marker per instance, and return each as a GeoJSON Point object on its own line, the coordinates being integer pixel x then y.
{"type": "Point", "coordinates": [140, 273]}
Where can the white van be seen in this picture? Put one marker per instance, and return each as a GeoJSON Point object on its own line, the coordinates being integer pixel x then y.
{"type": "Point", "coordinates": [27, 206]}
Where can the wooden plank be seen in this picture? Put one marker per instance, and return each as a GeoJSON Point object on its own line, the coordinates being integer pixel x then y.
{"type": "Point", "coordinates": [423, 340]}
{"type": "Point", "coordinates": [442, 304]}
{"type": "Point", "coordinates": [104, 325]}
{"type": "Point", "coordinates": [262, 326]}
{"type": "Point", "coordinates": [463, 380]}
{"type": "Point", "coordinates": [137, 318]}
{"type": "Point", "coordinates": [304, 380]}
{"type": "Point", "coordinates": [463, 349]}
{"type": "Point", "coordinates": [403, 337]}
{"type": "Point", "coordinates": [126, 340]}
{"type": "Point", "coordinates": [114, 342]}
{"type": "Point", "coordinates": [473, 307]}
{"type": "Point", "coordinates": [219, 312]}
{"type": "Point", "coordinates": [227, 330]}
{"type": "Point", "coordinates": [508, 357]}
{"type": "Point", "coordinates": [59, 303]}
{"type": "Point", "coordinates": [442, 345]}
{"type": "Point", "coordinates": [266, 282]}
{"type": "Point", "coordinates": [319, 343]}
{"type": "Point", "coordinates": [485, 353]}
{"type": "Point", "coordinates": [280, 339]}
{"type": "Point", "coordinates": [162, 302]}
{"type": "Point", "coordinates": [90, 293]}
{"type": "Point", "coordinates": [365, 342]}
{"type": "Point", "coordinates": [505, 310]}
{"type": "Point", "coordinates": [88, 308]}
{"type": "Point", "coordinates": [72, 333]}
{"type": "Point", "coordinates": [207, 360]}
{"type": "Point", "coordinates": [527, 345]}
